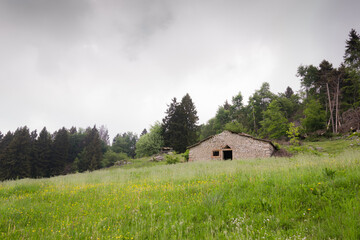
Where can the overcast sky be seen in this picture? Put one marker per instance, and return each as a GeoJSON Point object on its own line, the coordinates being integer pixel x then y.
{"type": "Point", "coordinates": [119, 63]}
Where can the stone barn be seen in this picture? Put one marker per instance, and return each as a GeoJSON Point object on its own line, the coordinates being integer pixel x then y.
{"type": "Point", "coordinates": [229, 145]}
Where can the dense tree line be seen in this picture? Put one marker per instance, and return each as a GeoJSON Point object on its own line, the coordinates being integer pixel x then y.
{"type": "Point", "coordinates": [326, 94]}
{"type": "Point", "coordinates": [26, 154]}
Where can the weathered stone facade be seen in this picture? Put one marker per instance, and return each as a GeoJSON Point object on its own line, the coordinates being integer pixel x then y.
{"type": "Point", "coordinates": [229, 145]}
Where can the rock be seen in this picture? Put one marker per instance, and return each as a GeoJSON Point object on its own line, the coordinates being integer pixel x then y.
{"type": "Point", "coordinates": [319, 149]}
{"type": "Point", "coordinates": [157, 158]}
{"type": "Point", "coordinates": [121, 163]}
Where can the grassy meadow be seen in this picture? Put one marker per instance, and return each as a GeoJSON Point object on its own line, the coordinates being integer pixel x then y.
{"type": "Point", "coordinates": [308, 196]}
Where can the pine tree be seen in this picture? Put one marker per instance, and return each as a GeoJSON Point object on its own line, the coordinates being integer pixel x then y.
{"type": "Point", "coordinates": [180, 124]}
{"type": "Point", "coordinates": [5, 141]}
{"type": "Point", "coordinates": [76, 146]}
{"type": "Point", "coordinates": [351, 87]}
{"type": "Point", "coordinates": [91, 156]}
{"type": "Point", "coordinates": [17, 156]}
{"type": "Point", "coordinates": [60, 151]}
{"type": "Point", "coordinates": [170, 126]}
{"type": "Point", "coordinates": [190, 121]}
{"type": "Point", "coordinates": [143, 132]}
{"type": "Point", "coordinates": [352, 50]}
{"type": "Point", "coordinates": [43, 154]}
{"type": "Point", "coordinates": [289, 92]}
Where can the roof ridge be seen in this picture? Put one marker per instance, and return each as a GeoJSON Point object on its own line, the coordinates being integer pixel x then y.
{"type": "Point", "coordinates": [240, 134]}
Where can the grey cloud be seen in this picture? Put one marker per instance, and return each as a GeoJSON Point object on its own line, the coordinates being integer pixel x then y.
{"type": "Point", "coordinates": [79, 50]}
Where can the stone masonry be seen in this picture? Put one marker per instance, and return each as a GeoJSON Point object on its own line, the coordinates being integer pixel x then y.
{"type": "Point", "coordinates": [231, 146]}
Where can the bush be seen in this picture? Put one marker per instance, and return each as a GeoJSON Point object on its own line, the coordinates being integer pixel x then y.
{"type": "Point", "coordinates": [172, 159]}
{"type": "Point", "coordinates": [186, 155]}
{"type": "Point", "coordinates": [111, 157]}
{"type": "Point", "coordinates": [277, 146]}
{"type": "Point", "coordinates": [293, 133]}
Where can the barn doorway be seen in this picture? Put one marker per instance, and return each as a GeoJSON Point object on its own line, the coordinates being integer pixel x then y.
{"type": "Point", "coordinates": [227, 154]}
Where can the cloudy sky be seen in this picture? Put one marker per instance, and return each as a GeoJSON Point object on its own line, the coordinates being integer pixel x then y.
{"type": "Point", "coordinates": [119, 63]}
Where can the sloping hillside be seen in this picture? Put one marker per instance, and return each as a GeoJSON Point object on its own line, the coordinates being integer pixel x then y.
{"type": "Point", "coordinates": [288, 198]}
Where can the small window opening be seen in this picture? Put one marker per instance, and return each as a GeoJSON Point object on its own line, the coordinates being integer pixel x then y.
{"type": "Point", "coordinates": [216, 153]}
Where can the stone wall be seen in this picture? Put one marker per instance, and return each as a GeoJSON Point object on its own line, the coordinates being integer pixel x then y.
{"type": "Point", "coordinates": [242, 147]}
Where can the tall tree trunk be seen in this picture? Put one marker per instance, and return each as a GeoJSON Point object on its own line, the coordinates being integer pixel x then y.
{"type": "Point", "coordinates": [337, 107]}
{"type": "Point", "coordinates": [330, 107]}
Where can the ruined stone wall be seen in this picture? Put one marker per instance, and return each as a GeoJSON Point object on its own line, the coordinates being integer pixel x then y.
{"type": "Point", "coordinates": [241, 146]}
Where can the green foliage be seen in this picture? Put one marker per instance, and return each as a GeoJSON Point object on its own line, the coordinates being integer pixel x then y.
{"type": "Point", "coordinates": [91, 156]}
{"type": "Point", "coordinates": [151, 142]}
{"type": "Point", "coordinates": [328, 172]}
{"type": "Point", "coordinates": [222, 117]}
{"type": "Point", "coordinates": [208, 129]}
{"type": "Point", "coordinates": [60, 151]}
{"type": "Point", "coordinates": [185, 155]}
{"type": "Point", "coordinates": [235, 126]}
{"type": "Point", "coordinates": [277, 145]}
{"type": "Point", "coordinates": [293, 133]}
{"type": "Point", "coordinates": [258, 103]}
{"type": "Point", "coordinates": [125, 143]}
{"type": "Point", "coordinates": [172, 159]}
{"type": "Point", "coordinates": [315, 117]}
{"type": "Point", "coordinates": [16, 156]}
{"type": "Point", "coordinates": [352, 50]}
{"type": "Point", "coordinates": [180, 124]}
{"type": "Point", "coordinates": [42, 155]}
{"type": "Point", "coordinates": [110, 158]}
{"type": "Point", "coordinates": [274, 123]}
{"type": "Point", "coordinates": [302, 149]}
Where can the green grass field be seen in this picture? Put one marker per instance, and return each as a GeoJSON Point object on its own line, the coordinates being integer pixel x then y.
{"type": "Point", "coordinates": [304, 197]}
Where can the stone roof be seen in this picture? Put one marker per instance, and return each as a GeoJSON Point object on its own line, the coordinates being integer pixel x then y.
{"type": "Point", "coordinates": [240, 134]}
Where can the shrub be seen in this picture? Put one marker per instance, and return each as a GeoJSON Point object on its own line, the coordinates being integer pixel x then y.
{"type": "Point", "coordinates": [111, 157]}
{"type": "Point", "coordinates": [293, 134]}
{"type": "Point", "coordinates": [277, 146]}
{"type": "Point", "coordinates": [172, 159]}
{"type": "Point", "coordinates": [186, 155]}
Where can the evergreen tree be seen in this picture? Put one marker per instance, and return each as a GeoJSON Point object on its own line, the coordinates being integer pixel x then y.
{"type": "Point", "coordinates": [60, 152]}
{"type": "Point", "coordinates": [43, 153]}
{"type": "Point", "coordinates": [143, 132]}
{"type": "Point", "coordinates": [351, 87]}
{"type": "Point", "coordinates": [16, 157]}
{"type": "Point", "coordinates": [180, 124]}
{"type": "Point", "coordinates": [91, 156]}
{"type": "Point", "coordinates": [352, 50]}
{"type": "Point", "coordinates": [289, 92]}
{"type": "Point", "coordinates": [190, 118]}
{"type": "Point", "coordinates": [5, 141]}
{"type": "Point", "coordinates": [170, 126]}
{"type": "Point", "coordinates": [76, 146]}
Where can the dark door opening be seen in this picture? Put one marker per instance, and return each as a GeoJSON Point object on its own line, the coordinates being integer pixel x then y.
{"type": "Point", "coordinates": [227, 154]}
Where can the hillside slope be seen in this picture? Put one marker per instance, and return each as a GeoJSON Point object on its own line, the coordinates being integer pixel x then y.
{"type": "Point", "coordinates": [288, 198]}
